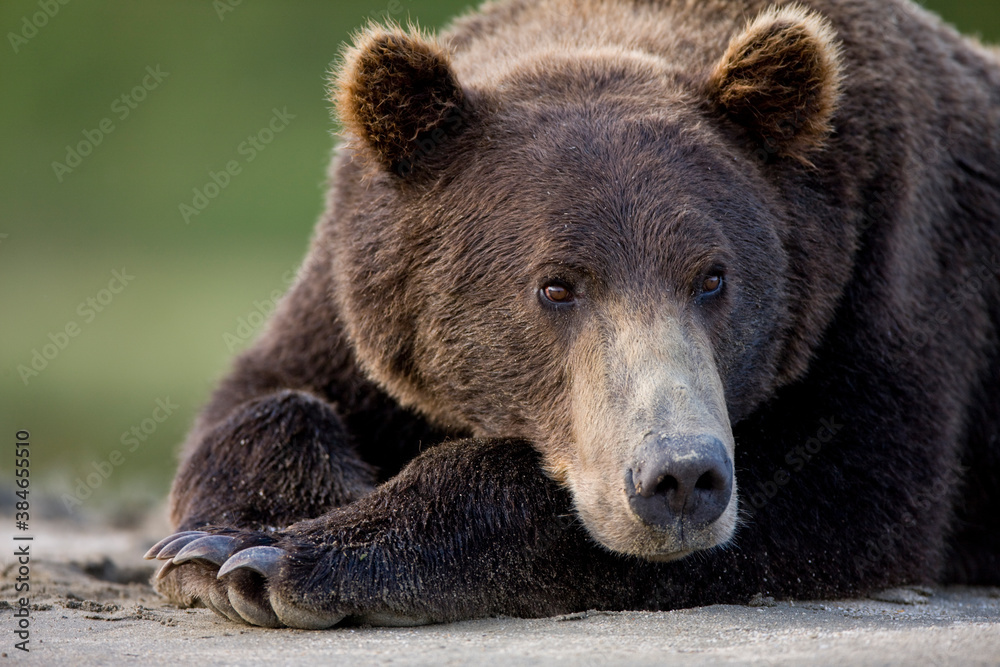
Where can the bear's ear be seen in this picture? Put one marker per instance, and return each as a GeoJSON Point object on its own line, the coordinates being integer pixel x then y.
{"type": "Point", "coordinates": [398, 94]}
{"type": "Point", "coordinates": [780, 79]}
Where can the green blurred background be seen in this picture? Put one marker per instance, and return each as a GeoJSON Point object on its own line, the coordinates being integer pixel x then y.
{"type": "Point", "coordinates": [170, 333]}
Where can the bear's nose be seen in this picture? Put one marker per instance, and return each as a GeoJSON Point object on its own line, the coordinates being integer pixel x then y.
{"type": "Point", "coordinates": [679, 481]}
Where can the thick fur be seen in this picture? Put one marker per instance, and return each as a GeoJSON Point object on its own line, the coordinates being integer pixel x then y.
{"type": "Point", "coordinates": [836, 159]}
{"type": "Point", "coordinates": [387, 72]}
{"type": "Point", "coordinates": [780, 78]}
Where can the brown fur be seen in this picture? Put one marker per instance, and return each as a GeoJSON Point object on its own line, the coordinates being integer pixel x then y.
{"type": "Point", "coordinates": [649, 363]}
{"type": "Point", "coordinates": [835, 160]}
{"type": "Point", "coordinates": [388, 71]}
{"type": "Point", "coordinates": [781, 78]}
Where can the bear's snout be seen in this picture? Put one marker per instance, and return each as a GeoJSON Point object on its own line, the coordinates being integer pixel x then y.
{"type": "Point", "coordinates": [680, 483]}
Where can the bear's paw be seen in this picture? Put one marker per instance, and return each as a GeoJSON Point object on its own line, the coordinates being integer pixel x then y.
{"type": "Point", "coordinates": [254, 578]}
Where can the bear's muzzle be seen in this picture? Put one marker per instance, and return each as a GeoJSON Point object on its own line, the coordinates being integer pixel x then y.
{"type": "Point", "coordinates": [679, 483]}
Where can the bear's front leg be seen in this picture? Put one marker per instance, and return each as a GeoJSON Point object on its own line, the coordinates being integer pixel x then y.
{"type": "Point", "coordinates": [470, 528]}
{"type": "Point", "coordinates": [271, 461]}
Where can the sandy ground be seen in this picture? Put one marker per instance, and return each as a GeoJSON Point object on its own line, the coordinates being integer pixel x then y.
{"type": "Point", "coordinates": [91, 605]}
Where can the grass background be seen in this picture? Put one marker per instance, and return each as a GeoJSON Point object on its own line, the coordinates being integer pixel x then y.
{"type": "Point", "coordinates": [162, 337]}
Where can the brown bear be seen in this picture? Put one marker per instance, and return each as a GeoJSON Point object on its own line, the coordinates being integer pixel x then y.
{"type": "Point", "coordinates": [622, 304]}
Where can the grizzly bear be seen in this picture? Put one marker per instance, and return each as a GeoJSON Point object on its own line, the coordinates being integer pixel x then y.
{"type": "Point", "coordinates": [622, 304]}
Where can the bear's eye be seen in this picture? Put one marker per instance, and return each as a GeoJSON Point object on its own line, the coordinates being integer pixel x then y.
{"type": "Point", "coordinates": [556, 293]}
{"type": "Point", "coordinates": [711, 285]}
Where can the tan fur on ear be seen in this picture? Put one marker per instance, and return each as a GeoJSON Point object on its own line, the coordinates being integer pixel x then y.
{"type": "Point", "coordinates": [780, 78]}
{"type": "Point", "coordinates": [394, 87]}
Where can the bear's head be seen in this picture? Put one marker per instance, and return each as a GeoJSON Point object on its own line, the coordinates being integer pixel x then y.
{"type": "Point", "coordinates": [585, 251]}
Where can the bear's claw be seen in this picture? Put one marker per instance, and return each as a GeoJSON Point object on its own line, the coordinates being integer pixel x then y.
{"type": "Point", "coordinates": [154, 551]}
{"type": "Point", "coordinates": [263, 560]}
{"type": "Point", "coordinates": [239, 583]}
{"type": "Point", "coordinates": [165, 570]}
{"type": "Point", "coordinates": [242, 596]}
{"type": "Point", "coordinates": [215, 549]}
{"type": "Point", "coordinates": [180, 541]}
